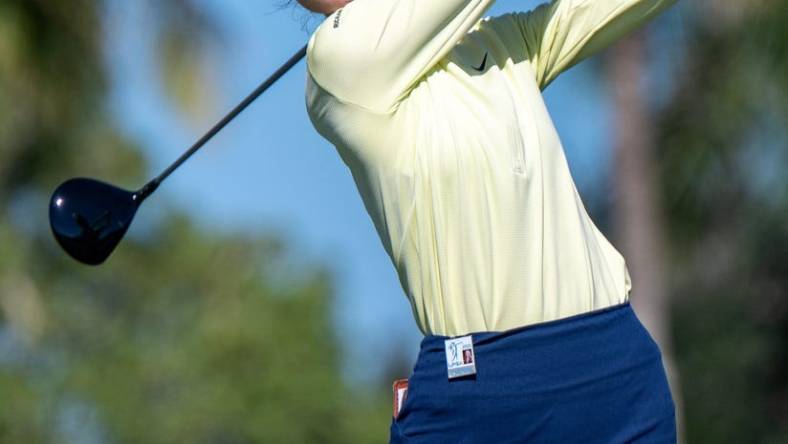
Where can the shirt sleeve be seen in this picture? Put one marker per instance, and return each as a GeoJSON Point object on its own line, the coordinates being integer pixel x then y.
{"type": "Point", "coordinates": [561, 33]}
{"type": "Point", "coordinates": [371, 52]}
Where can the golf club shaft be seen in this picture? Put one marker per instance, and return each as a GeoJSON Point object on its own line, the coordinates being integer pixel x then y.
{"type": "Point", "coordinates": [151, 186]}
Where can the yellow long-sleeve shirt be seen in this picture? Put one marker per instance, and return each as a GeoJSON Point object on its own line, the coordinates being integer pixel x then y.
{"type": "Point", "coordinates": [439, 115]}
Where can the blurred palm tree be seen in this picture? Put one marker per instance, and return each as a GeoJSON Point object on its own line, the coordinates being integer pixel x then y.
{"type": "Point", "coordinates": [637, 212]}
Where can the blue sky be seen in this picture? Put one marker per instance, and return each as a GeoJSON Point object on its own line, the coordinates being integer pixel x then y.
{"type": "Point", "coordinates": [270, 171]}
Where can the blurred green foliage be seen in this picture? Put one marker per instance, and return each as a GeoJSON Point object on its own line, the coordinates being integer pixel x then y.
{"type": "Point", "coordinates": [183, 336]}
{"type": "Point", "coordinates": [723, 156]}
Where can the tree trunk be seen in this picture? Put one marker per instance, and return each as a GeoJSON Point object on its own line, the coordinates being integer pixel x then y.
{"type": "Point", "coordinates": [637, 216]}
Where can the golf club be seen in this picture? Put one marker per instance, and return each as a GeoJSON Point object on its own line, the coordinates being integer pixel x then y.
{"type": "Point", "coordinates": [89, 218]}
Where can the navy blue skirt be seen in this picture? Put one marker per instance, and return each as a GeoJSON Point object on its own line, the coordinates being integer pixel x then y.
{"type": "Point", "coordinates": [592, 378]}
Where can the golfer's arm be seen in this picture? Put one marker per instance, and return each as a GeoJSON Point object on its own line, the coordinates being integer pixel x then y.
{"type": "Point", "coordinates": [561, 33]}
{"type": "Point", "coordinates": [372, 51]}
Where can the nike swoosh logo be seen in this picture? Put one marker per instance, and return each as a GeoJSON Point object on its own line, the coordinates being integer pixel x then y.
{"type": "Point", "coordinates": [483, 65]}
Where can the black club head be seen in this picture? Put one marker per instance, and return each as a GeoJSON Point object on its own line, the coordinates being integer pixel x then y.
{"type": "Point", "coordinates": [89, 218]}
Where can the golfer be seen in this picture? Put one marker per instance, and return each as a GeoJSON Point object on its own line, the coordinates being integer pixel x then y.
{"type": "Point", "coordinates": [439, 115]}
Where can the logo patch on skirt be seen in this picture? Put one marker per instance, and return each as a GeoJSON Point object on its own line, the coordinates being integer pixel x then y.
{"type": "Point", "coordinates": [460, 359]}
{"type": "Point", "coordinates": [400, 393]}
